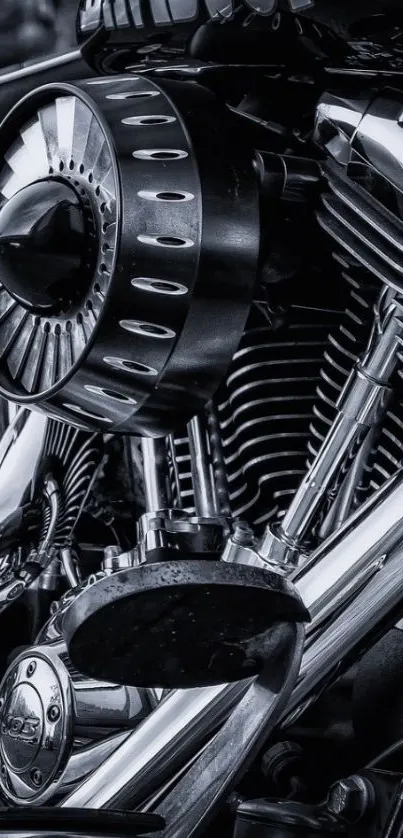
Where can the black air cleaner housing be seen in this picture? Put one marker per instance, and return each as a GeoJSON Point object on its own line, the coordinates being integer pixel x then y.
{"type": "Point", "coordinates": [129, 238]}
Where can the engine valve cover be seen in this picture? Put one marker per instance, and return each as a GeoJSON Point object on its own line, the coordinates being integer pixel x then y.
{"type": "Point", "coordinates": [129, 237]}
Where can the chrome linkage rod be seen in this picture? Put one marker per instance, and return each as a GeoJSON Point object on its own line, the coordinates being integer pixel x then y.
{"type": "Point", "coordinates": [362, 404]}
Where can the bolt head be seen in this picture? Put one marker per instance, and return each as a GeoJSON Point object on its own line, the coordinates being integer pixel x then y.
{"type": "Point", "coordinates": [53, 713]}
{"type": "Point", "coordinates": [31, 669]}
{"type": "Point", "coordinates": [36, 777]}
{"type": "Point", "coordinates": [349, 798]}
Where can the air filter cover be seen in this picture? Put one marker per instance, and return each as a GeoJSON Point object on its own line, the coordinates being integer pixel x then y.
{"type": "Point", "coordinates": [129, 238]}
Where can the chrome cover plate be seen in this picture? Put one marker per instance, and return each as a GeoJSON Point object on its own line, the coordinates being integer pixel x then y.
{"type": "Point", "coordinates": [35, 727]}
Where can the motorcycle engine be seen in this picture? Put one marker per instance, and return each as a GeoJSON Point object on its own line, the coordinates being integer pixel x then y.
{"type": "Point", "coordinates": [201, 298]}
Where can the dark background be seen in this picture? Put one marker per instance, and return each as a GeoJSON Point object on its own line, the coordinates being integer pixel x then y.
{"type": "Point", "coordinates": [33, 28]}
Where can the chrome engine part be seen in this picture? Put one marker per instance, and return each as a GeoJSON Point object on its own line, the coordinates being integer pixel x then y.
{"type": "Point", "coordinates": [350, 582]}
{"type": "Point", "coordinates": [38, 530]}
{"type": "Point", "coordinates": [261, 403]}
{"type": "Point", "coordinates": [123, 176]}
{"type": "Point", "coordinates": [48, 715]}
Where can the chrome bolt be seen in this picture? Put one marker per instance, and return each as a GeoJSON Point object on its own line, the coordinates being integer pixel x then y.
{"type": "Point", "coordinates": [31, 669]}
{"type": "Point", "coordinates": [350, 798]}
{"type": "Point", "coordinates": [36, 777]}
{"type": "Point", "coordinates": [53, 713]}
{"type": "Point", "coordinates": [243, 534]}
{"type": "Point", "coordinates": [16, 590]}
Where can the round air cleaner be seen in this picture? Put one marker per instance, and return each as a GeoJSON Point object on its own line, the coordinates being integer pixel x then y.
{"type": "Point", "coordinates": [129, 237]}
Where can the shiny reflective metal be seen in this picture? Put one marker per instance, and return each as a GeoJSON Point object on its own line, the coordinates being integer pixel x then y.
{"type": "Point", "coordinates": [164, 528]}
{"type": "Point", "coordinates": [22, 443]}
{"type": "Point", "coordinates": [174, 529]}
{"type": "Point", "coordinates": [115, 560]}
{"type": "Point", "coordinates": [155, 474]}
{"type": "Point", "coordinates": [350, 584]}
{"type": "Point", "coordinates": [173, 733]}
{"type": "Point", "coordinates": [52, 631]}
{"type": "Point", "coordinates": [46, 707]}
{"type": "Point", "coordinates": [41, 66]}
{"type": "Point", "coordinates": [343, 502]}
{"type": "Point", "coordinates": [206, 504]}
{"type": "Point", "coordinates": [70, 567]}
{"type": "Point", "coordinates": [361, 405]}
{"type": "Point", "coordinates": [19, 571]}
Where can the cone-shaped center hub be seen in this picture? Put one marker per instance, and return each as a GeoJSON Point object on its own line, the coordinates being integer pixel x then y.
{"type": "Point", "coordinates": [43, 245]}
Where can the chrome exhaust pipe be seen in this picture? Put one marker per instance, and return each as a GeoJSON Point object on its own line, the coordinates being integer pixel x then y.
{"type": "Point", "coordinates": [351, 567]}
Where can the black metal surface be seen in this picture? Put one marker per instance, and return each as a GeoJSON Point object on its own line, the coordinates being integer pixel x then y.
{"type": "Point", "coordinates": [179, 624]}
{"type": "Point", "coordinates": [177, 238]}
{"type": "Point", "coordinates": [44, 244]}
{"type": "Point", "coordinates": [18, 80]}
{"type": "Point", "coordinates": [69, 822]}
{"type": "Point", "coordinates": [269, 818]}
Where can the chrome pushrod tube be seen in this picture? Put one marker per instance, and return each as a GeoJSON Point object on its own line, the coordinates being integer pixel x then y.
{"type": "Point", "coordinates": [361, 405]}
{"type": "Point", "coordinates": [352, 555]}
{"type": "Point", "coordinates": [186, 717]}
{"type": "Point", "coordinates": [155, 464]}
{"type": "Point", "coordinates": [201, 467]}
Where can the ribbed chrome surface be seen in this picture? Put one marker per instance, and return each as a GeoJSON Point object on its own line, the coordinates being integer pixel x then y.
{"type": "Point", "coordinates": [266, 413]}
{"type": "Point", "coordinates": [74, 457]}
{"type": "Point", "coordinates": [363, 227]}
{"type": "Point", "coordinates": [265, 409]}
{"type": "Point", "coordinates": [62, 139]}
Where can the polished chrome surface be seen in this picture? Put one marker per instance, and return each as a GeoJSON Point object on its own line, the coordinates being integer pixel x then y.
{"type": "Point", "coordinates": [21, 443]}
{"type": "Point", "coordinates": [206, 504]}
{"type": "Point", "coordinates": [35, 727]}
{"type": "Point", "coordinates": [343, 503]}
{"type": "Point", "coordinates": [379, 599]}
{"type": "Point", "coordinates": [70, 567]}
{"type": "Point", "coordinates": [173, 733]}
{"type": "Point", "coordinates": [40, 66]}
{"type": "Point", "coordinates": [345, 564]}
{"type": "Point", "coordinates": [340, 567]}
{"type": "Point", "coordinates": [44, 705]}
{"type": "Point", "coordinates": [361, 405]}
{"type": "Point", "coordinates": [115, 560]}
{"type": "Point", "coordinates": [155, 472]}
{"type": "Point", "coordinates": [163, 527]}
{"type": "Point", "coordinates": [195, 799]}
{"type": "Point", "coordinates": [174, 529]}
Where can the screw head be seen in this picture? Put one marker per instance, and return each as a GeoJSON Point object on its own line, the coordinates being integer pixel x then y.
{"type": "Point", "coordinates": [53, 713]}
{"type": "Point", "coordinates": [31, 669]}
{"type": "Point", "coordinates": [3, 770]}
{"type": "Point", "coordinates": [36, 777]}
{"type": "Point", "coordinates": [349, 798]}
